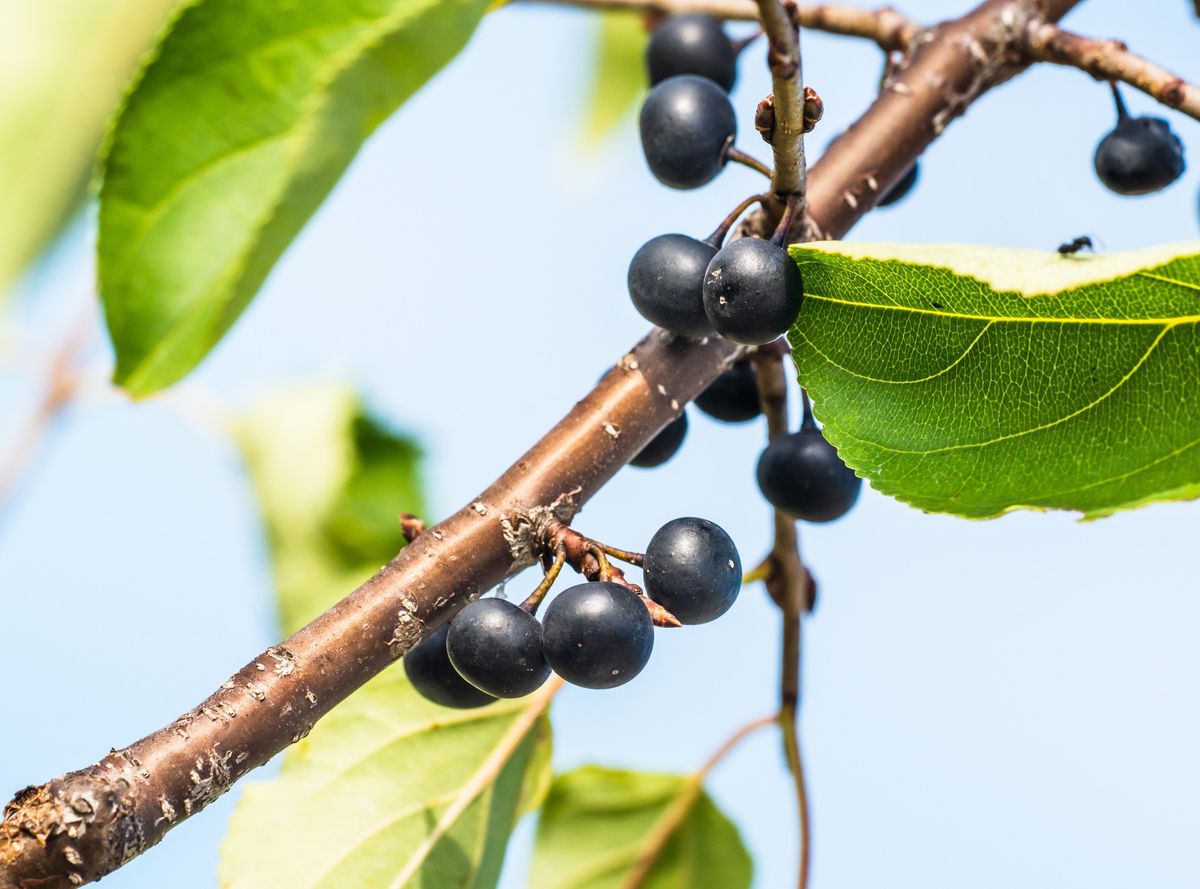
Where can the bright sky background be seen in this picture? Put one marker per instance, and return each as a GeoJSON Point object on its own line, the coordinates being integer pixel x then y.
{"type": "Point", "coordinates": [987, 705]}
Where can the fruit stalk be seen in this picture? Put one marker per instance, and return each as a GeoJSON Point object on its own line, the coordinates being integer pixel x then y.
{"type": "Point", "coordinates": [1111, 60]}
{"type": "Point", "coordinates": [133, 796]}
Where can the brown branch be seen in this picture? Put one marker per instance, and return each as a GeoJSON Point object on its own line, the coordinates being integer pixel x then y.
{"type": "Point", "coordinates": [887, 27]}
{"type": "Point", "coordinates": [787, 124]}
{"type": "Point", "coordinates": [80, 826]}
{"type": "Point", "coordinates": [1111, 60]}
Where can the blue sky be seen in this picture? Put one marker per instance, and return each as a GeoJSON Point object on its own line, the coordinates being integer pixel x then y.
{"type": "Point", "coordinates": [986, 704]}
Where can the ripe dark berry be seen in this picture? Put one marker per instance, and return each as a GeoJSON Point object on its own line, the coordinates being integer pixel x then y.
{"type": "Point", "coordinates": [497, 647]}
{"type": "Point", "coordinates": [431, 673]}
{"type": "Point", "coordinates": [903, 186]}
{"type": "Point", "coordinates": [752, 291]}
{"type": "Point", "coordinates": [666, 278]}
{"type": "Point", "coordinates": [1140, 155]}
{"type": "Point", "coordinates": [687, 125]}
{"type": "Point", "coordinates": [663, 446]}
{"type": "Point", "coordinates": [733, 396]}
{"type": "Point", "coordinates": [692, 44]}
{"type": "Point", "coordinates": [693, 570]}
{"type": "Point", "coordinates": [803, 475]}
{"type": "Point", "coordinates": [597, 635]}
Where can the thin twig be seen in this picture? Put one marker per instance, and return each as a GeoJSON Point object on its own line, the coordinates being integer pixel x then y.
{"type": "Point", "coordinates": [1112, 60]}
{"type": "Point", "coordinates": [665, 828]}
{"type": "Point", "coordinates": [787, 78]}
{"type": "Point", "coordinates": [60, 384]}
{"type": "Point", "coordinates": [791, 587]}
{"type": "Point", "coordinates": [885, 26]}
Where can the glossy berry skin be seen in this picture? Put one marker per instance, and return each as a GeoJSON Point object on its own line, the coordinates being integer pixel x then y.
{"type": "Point", "coordinates": [663, 446]}
{"type": "Point", "coordinates": [692, 44]}
{"type": "Point", "coordinates": [733, 396]}
{"type": "Point", "coordinates": [693, 570]}
{"type": "Point", "coordinates": [497, 647]}
{"type": "Point", "coordinates": [687, 125]}
{"type": "Point", "coordinates": [752, 291]}
{"type": "Point", "coordinates": [803, 475]}
{"type": "Point", "coordinates": [665, 281]}
{"type": "Point", "coordinates": [431, 673]}
{"type": "Point", "coordinates": [597, 635]}
{"type": "Point", "coordinates": [1139, 156]}
{"type": "Point", "coordinates": [900, 190]}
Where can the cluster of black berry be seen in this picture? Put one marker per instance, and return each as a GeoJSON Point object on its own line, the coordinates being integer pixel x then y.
{"type": "Point", "coordinates": [597, 634]}
{"type": "Point", "coordinates": [749, 291]}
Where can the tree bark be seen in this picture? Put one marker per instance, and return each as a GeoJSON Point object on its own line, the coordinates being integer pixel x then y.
{"type": "Point", "coordinates": [85, 824]}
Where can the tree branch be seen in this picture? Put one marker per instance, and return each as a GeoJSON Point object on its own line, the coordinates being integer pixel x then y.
{"type": "Point", "coordinates": [885, 26]}
{"type": "Point", "coordinates": [87, 823]}
{"type": "Point", "coordinates": [787, 79]}
{"type": "Point", "coordinates": [1111, 60]}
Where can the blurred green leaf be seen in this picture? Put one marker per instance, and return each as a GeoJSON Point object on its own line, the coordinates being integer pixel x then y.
{"type": "Point", "coordinates": [63, 64]}
{"type": "Point", "coordinates": [977, 380]}
{"type": "Point", "coordinates": [331, 482]}
{"type": "Point", "coordinates": [358, 801]}
{"type": "Point", "coordinates": [236, 131]}
{"type": "Point", "coordinates": [598, 823]}
{"type": "Point", "coordinates": [618, 73]}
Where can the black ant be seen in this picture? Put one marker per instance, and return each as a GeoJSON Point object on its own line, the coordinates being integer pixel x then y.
{"type": "Point", "coordinates": [1070, 248]}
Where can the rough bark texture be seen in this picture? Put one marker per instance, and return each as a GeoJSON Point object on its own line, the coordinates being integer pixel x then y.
{"type": "Point", "coordinates": [80, 826]}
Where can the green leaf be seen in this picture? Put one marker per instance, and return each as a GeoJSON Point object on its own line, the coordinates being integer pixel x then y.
{"type": "Point", "coordinates": [237, 129]}
{"type": "Point", "coordinates": [618, 73]}
{"type": "Point", "coordinates": [975, 381]}
{"type": "Point", "coordinates": [331, 483]}
{"type": "Point", "coordinates": [359, 801]}
{"type": "Point", "coordinates": [63, 64]}
{"type": "Point", "coordinates": [598, 823]}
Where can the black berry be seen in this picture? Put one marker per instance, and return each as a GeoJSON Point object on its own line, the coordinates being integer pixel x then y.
{"type": "Point", "coordinates": [692, 44]}
{"type": "Point", "coordinates": [431, 673]}
{"type": "Point", "coordinates": [900, 190]}
{"type": "Point", "coordinates": [666, 278]}
{"type": "Point", "coordinates": [693, 570]}
{"type": "Point", "coordinates": [497, 647]}
{"type": "Point", "coordinates": [1140, 155]}
{"type": "Point", "coordinates": [598, 635]}
{"type": "Point", "coordinates": [733, 396]}
{"type": "Point", "coordinates": [803, 475]}
{"type": "Point", "coordinates": [752, 291]}
{"type": "Point", "coordinates": [687, 125]}
{"type": "Point", "coordinates": [663, 446]}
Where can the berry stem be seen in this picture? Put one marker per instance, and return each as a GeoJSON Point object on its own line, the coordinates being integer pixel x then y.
{"type": "Point", "coordinates": [631, 558]}
{"type": "Point", "coordinates": [717, 238]}
{"type": "Point", "coordinates": [746, 160]}
{"type": "Point", "coordinates": [739, 45]}
{"type": "Point", "coordinates": [535, 598]}
{"type": "Point", "coordinates": [1122, 111]}
{"type": "Point", "coordinates": [807, 421]}
{"type": "Point", "coordinates": [605, 568]}
{"type": "Point", "coordinates": [785, 221]}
